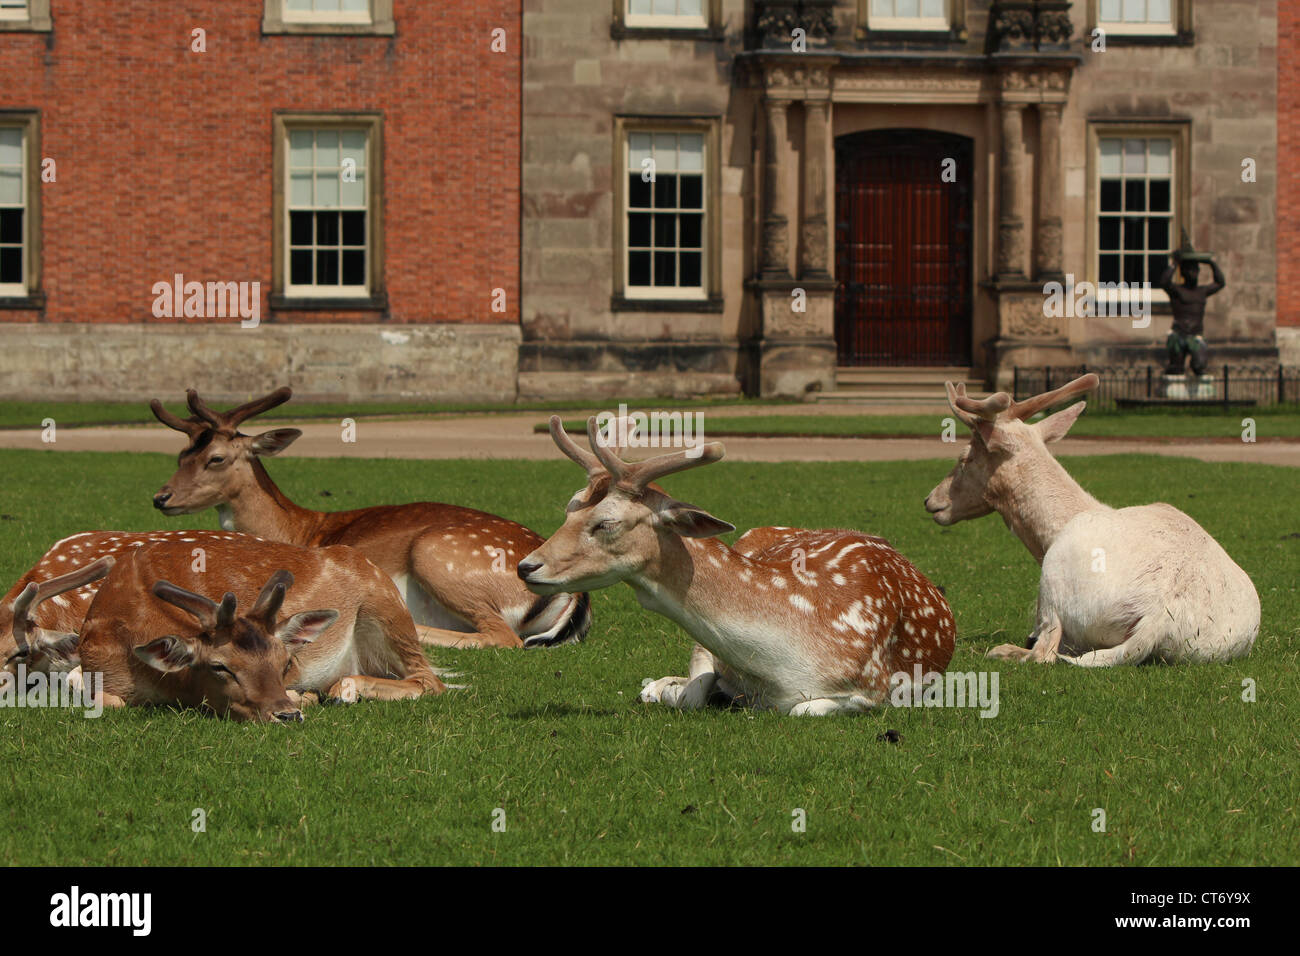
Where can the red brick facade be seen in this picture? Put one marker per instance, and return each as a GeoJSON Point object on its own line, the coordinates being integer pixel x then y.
{"type": "Point", "coordinates": [1288, 151]}
{"type": "Point", "coordinates": [164, 155]}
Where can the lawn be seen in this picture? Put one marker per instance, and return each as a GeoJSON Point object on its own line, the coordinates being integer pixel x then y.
{"type": "Point", "coordinates": [1186, 771]}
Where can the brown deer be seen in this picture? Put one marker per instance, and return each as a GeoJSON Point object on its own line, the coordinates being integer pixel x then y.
{"type": "Point", "coordinates": [454, 566]}
{"type": "Point", "coordinates": [157, 638]}
{"type": "Point", "coordinates": [804, 622]}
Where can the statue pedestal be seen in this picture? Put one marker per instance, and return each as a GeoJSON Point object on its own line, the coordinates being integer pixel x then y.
{"type": "Point", "coordinates": [1176, 387]}
{"type": "Point", "coordinates": [1187, 387]}
{"type": "Point", "coordinates": [1205, 387]}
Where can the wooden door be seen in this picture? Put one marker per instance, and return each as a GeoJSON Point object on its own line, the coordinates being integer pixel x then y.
{"type": "Point", "coordinates": [903, 248]}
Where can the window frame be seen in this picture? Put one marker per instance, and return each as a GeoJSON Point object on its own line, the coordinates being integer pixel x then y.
{"type": "Point", "coordinates": [1180, 31]}
{"type": "Point", "coordinates": [277, 19]}
{"type": "Point", "coordinates": [908, 29]}
{"type": "Point", "coordinates": [36, 20]}
{"type": "Point", "coordinates": [284, 295]}
{"type": "Point", "coordinates": [709, 298]}
{"type": "Point", "coordinates": [27, 295]}
{"type": "Point", "coordinates": [625, 25]}
{"type": "Point", "coordinates": [1179, 133]}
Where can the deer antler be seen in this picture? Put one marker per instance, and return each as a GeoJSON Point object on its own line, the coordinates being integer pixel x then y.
{"type": "Point", "coordinates": [971, 410]}
{"type": "Point", "coordinates": [191, 426]}
{"type": "Point", "coordinates": [231, 420]}
{"type": "Point", "coordinates": [635, 476]}
{"type": "Point", "coordinates": [1031, 406]}
{"type": "Point", "coordinates": [35, 593]}
{"type": "Point", "coordinates": [209, 614]}
{"type": "Point", "coordinates": [268, 602]}
{"type": "Point", "coordinates": [573, 451]}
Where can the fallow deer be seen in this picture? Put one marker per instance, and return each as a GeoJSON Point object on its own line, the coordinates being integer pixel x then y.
{"type": "Point", "coordinates": [454, 566]}
{"type": "Point", "coordinates": [345, 632]}
{"type": "Point", "coordinates": [803, 622]}
{"type": "Point", "coordinates": [1118, 586]}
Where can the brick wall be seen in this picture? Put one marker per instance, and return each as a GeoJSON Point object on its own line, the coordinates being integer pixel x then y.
{"type": "Point", "coordinates": [164, 155]}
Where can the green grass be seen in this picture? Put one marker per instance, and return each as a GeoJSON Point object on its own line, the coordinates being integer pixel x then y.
{"type": "Point", "coordinates": [78, 414]}
{"type": "Point", "coordinates": [1187, 772]}
{"type": "Point", "coordinates": [1283, 422]}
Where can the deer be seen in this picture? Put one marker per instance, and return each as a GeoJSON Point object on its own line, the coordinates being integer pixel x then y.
{"type": "Point", "coordinates": [327, 624]}
{"type": "Point", "coordinates": [453, 565]}
{"type": "Point", "coordinates": [1118, 585]}
{"type": "Point", "coordinates": [798, 621]}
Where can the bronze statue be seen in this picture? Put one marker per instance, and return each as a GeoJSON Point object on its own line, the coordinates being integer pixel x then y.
{"type": "Point", "coordinates": [1187, 301]}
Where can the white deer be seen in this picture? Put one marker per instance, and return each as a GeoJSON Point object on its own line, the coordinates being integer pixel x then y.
{"type": "Point", "coordinates": [1118, 586]}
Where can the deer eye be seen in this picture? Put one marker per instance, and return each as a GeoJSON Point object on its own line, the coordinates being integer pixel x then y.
{"type": "Point", "coordinates": [221, 670]}
{"type": "Point", "coordinates": [216, 460]}
{"type": "Point", "coordinates": [606, 527]}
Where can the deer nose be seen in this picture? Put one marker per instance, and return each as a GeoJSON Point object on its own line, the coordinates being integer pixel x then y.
{"type": "Point", "coordinates": [160, 500]}
{"type": "Point", "coordinates": [526, 568]}
{"type": "Point", "coordinates": [289, 716]}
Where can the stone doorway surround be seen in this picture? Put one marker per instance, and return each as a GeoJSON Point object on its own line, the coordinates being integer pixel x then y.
{"type": "Point", "coordinates": [1028, 66]}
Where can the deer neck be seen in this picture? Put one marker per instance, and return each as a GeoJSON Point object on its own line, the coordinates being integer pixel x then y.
{"type": "Point", "coordinates": [259, 507]}
{"type": "Point", "coordinates": [1037, 498]}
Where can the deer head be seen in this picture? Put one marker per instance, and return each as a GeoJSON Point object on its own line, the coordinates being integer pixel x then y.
{"type": "Point", "coordinates": [218, 457]}
{"type": "Point", "coordinates": [1004, 449]}
{"type": "Point", "coordinates": [37, 648]}
{"type": "Point", "coordinates": [621, 523]}
{"type": "Point", "coordinates": [237, 663]}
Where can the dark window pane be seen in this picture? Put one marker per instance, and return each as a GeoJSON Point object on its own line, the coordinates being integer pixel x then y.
{"type": "Point", "coordinates": [1155, 266]}
{"type": "Point", "coordinates": [638, 229]}
{"type": "Point", "coordinates": [300, 228]}
{"type": "Point", "coordinates": [666, 268]}
{"type": "Point", "coordinates": [1133, 269]}
{"type": "Point", "coordinates": [300, 267]}
{"type": "Point", "coordinates": [1133, 233]}
{"type": "Point", "coordinates": [354, 228]}
{"type": "Point", "coordinates": [638, 268]}
{"type": "Point", "coordinates": [1157, 233]}
{"type": "Point", "coordinates": [690, 264]}
{"type": "Point", "coordinates": [11, 225]}
{"type": "Point", "coordinates": [327, 228]}
{"type": "Point", "coordinates": [1109, 230]}
{"type": "Point", "coordinates": [1135, 195]}
{"type": "Point", "coordinates": [11, 264]}
{"type": "Point", "coordinates": [692, 192]}
{"type": "Point", "coordinates": [354, 267]}
{"type": "Point", "coordinates": [1108, 269]}
{"type": "Point", "coordinates": [1110, 193]}
{"type": "Point", "coordinates": [1159, 195]}
{"type": "Point", "coordinates": [665, 192]}
{"type": "Point", "coordinates": [327, 267]}
{"type": "Point", "coordinates": [689, 231]}
{"type": "Point", "coordinates": [666, 230]}
{"type": "Point", "coordinates": [638, 192]}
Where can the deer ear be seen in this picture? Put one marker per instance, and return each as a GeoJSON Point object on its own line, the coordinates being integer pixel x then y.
{"type": "Point", "coordinates": [692, 522]}
{"type": "Point", "coordinates": [304, 627]}
{"type": "Point", "coordinates": [273, 442]}
{"type": "Point", "coordinates": [167, 654]}
{"type": "Point", "coordinates": [1054, 427]}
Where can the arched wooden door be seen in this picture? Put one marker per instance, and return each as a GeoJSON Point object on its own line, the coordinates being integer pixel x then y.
{"type": "Point", "coordinates": [903, 248]}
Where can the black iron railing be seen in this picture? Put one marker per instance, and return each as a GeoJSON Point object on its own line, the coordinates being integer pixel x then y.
{"type": "Point", "coordinates": [1129, 385]}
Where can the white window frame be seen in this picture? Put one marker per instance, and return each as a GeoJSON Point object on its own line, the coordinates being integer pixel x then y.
{"type": "Point", "coordinates": [34, 16]}
{"type": "Point", "coordinates": [15, 13]}
{"type": "Point", "coordinates": [917, 24]}
{"type": "Point", "coordinates": [314, 291]}
{"type": "Point", "coordinates": [23, 287]}
{"type": "Point", "coordinates": [327, 16]}
{"type": "Point", "coordinates": [659, 292]}
{"type": "Point", "coordinates": [1179, 165]}
{"type": "Point", "coordinates": [662, 21]}
{"type": "Point", "coordinates": [1145, 28]}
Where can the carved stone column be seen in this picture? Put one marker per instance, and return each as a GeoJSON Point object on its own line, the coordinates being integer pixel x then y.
{"type": "Point", "coordinates": [1047, 232]}
{"type": "Point", "coordinates": [776, 228]}
{"type": "Point", "coordinates": [1011, 224]}
{"type": "Point", "coordinates": [814, 250]}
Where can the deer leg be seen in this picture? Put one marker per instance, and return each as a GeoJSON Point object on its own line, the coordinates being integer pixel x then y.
{"type": "Point", "coordinates": [685, 693]}
{"type": "Point", "coordinates": [1138, 646]}
{"type": "Point", "coordinates": [1044, 643]}
{"type": "Point", "coordinates": [490, 634]}
{"type": "Point", "coordinates": [357, 686]}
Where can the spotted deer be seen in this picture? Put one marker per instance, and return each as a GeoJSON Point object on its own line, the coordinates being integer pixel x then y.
{"type": "Point", "coordinates": [326, 623]}
{"type": "Point", "coordinates": [803, 622]}
{"type": "Point", "coordinates": [1118, 585]}
{"type": "Point", "coordinates": [454, 566]}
